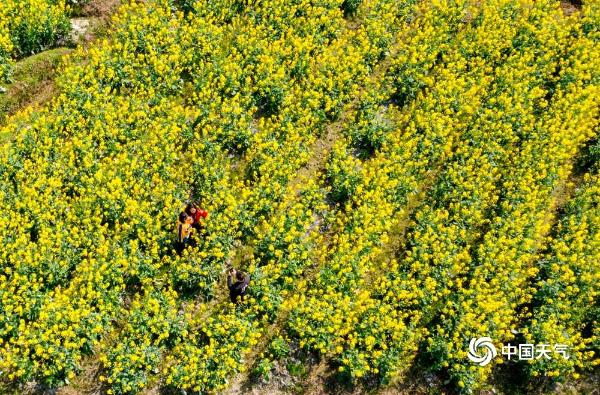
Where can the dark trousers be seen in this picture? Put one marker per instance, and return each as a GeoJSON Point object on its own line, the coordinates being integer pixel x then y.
{"type": "Point", "coordinates": [180, 245]}
{"type": "Point", "coordinates": [197, 226]}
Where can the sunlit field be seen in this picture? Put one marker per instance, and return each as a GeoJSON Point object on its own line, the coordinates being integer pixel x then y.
{"type": "Point", "coordinates": [409, 191]}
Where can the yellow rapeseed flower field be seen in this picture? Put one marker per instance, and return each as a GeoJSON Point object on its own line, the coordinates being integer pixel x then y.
{"type": "Point", "coordinates": [397, 177]}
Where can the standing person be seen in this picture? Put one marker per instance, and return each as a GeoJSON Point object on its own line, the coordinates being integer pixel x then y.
{"type": "Point", "coordinates": [197, 215]}
{"type": "Point", "coordinates": [184, 231]}
{"type": "Point", "coordinates": [239, 287]}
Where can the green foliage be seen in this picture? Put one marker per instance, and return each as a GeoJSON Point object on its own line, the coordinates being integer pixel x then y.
{"type": "Point", "coordinates": [350, 7]}
{"type": "Point", "coordinates": [343, 176]}
{"type": "Point", "coordinates": [279, 347]}
{"type": "Point", "coordinates": [263, 369]}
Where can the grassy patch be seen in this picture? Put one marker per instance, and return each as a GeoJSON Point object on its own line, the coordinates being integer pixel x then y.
{"type": "Point", "coordinates": [32, 82]}
{"type": "Point", "coordinates": [297, 369]}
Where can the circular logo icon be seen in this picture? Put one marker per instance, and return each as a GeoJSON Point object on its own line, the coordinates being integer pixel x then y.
{"type": "Point", "coordinates": [484, 345]}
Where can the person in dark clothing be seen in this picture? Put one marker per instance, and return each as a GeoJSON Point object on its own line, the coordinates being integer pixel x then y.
{"type": "Point", "coordinates": [239, 287]}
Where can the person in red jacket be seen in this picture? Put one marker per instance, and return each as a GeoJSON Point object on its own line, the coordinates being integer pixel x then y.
{"type": "Point", "coordinates": [197, 215]}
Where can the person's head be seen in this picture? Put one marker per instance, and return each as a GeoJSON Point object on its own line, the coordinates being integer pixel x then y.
{"type": "Point", "coordinates": [190, 209]}
{"type": "Point", "coordinates": [240, 275]}
{"type": "Point", "coordinates": [183, 217]}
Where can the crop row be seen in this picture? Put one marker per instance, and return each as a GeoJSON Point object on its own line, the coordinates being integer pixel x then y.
{"type": "Point", "coordinates": [434, 134]}
{"type": "Point", "coordinates": [417, 294]}
{"type": "Point", "coordinates": [496, 297]}
{"type": "Point", "coordinates": [564, 309]}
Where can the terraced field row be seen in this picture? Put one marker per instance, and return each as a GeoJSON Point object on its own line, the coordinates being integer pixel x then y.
{"type": "Point", "coordinates": [395, 177]}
